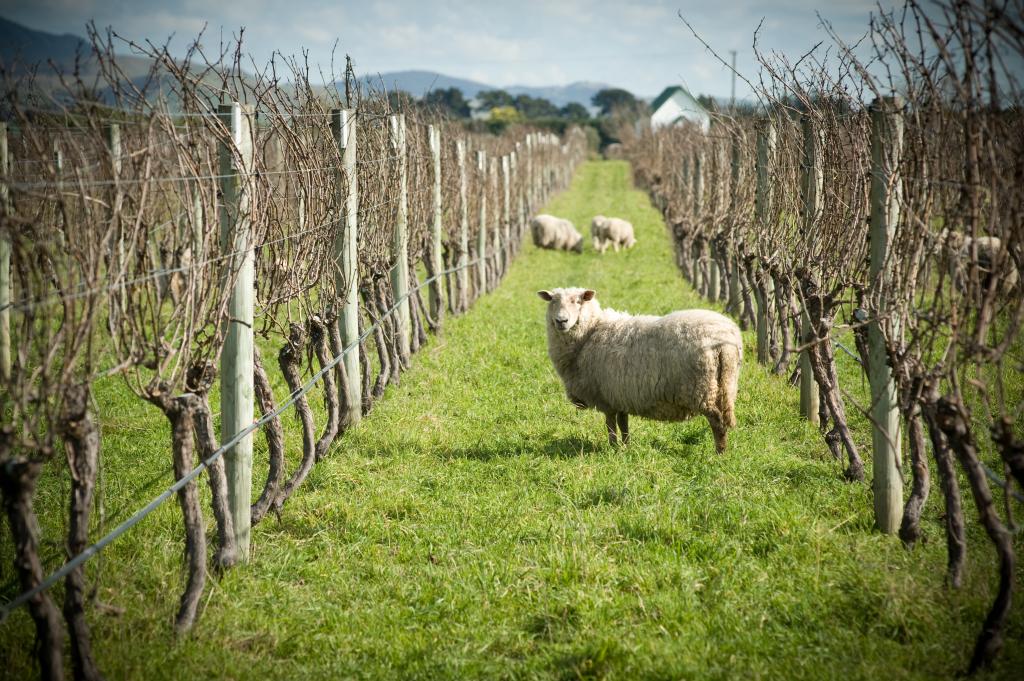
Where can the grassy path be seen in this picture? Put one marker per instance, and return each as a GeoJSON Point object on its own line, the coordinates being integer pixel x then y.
{"type": "Point", "coordinates": [477, 525]}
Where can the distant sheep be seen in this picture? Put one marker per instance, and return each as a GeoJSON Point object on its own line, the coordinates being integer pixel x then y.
{"type": "Point", "coordinates": [959, 249]}
{"type": "Point", "coordinates": [663, 368]}
{"type": "Point", "coordinates": [613, 150]}
{"type": "Point", "coordinates": [611, 231]}
{"type": "Point", "coordinates": [555, 233]}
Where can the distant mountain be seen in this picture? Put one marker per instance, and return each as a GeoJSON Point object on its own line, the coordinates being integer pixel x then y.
{"type": "Point", "coordinates": [23, 48]}
{"type": "Point", "coordinates": [418, 83]}
{"type": "Point", "coordinates": [580, 92]}
{"type": "Point", "coordinates": [22, 45]}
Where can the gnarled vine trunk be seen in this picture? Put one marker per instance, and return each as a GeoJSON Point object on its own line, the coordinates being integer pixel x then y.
{"type": "Point", "coordinates": [275, 441]}
{"type": "Point", "coordinates": [82, 447]}
{"type": "Point", "coordinates": [18, 477]}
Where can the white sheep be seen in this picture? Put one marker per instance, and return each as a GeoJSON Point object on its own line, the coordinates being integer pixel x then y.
{"type": "Point", "coordinates": [611, 231]}
{"type": "Point", "coordinates": [663, 368]}
{"type": "Point", "coordinates": [959, 250]}
{"type": "Point", "coordinates": [555, 233]}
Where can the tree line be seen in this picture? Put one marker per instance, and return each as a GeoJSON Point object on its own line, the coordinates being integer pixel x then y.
{"type": "Point", "coordinates": [502, 109]}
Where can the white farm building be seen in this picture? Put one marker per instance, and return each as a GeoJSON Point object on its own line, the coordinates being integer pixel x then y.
{"type": "Point", "coordinates": [675, 105]}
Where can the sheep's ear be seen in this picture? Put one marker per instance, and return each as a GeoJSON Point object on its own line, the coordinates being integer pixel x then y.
{"type": "Point", "coordinates": [545, 295]}
{"type": "Point", "coordinates": [587, 295]}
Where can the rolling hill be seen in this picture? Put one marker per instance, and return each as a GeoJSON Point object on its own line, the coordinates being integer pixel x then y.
{"type": "Point", "coordinates": [418, 83]}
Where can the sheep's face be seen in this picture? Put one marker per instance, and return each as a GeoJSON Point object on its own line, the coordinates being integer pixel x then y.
{"type": "Point", "coordinates": [565, 306]}
{"type": "Point", "coordinates": [578, 246]}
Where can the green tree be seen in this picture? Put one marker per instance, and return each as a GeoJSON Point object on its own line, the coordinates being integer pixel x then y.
{"type": "Point", "coordinates": [501, 117]}
{"type": "Point", "coordinates": [400, 100]}
{"type": "Point", "coordinates": [613, 99]}
{"type": "Point", "coordinates": [450, 100]}
{"type": "Point", "coordinates": [574, 111]}
{"type": "Point", "coordinates": [534, 107]}
{"type": "Point", "coordinates": [708, 102]}
{"type": "Point", "coordinates": [490, 99]}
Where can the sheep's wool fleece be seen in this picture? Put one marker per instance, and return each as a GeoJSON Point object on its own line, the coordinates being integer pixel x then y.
{"type": "Point", "coordinates": [556, 233]}
{"type": "Point", "coordinates": [665, 368]}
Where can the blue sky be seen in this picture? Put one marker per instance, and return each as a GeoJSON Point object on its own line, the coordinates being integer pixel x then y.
{"type": "Point", "coordinates": [640, 45]}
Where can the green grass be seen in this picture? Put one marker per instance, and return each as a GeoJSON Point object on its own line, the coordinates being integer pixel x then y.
{"type": "Point", "coordinates": [477, 525]}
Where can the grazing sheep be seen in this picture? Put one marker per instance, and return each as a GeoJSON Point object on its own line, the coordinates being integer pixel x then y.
{"type": "Point", "coordinates": [613, 150]}
{"type": "Point", "coordinates": [614, 231]}
{"type": "Point", "coordinates": [959, 249]}
{"type": "Point", "coordinates": [555, 233]}
{"type": "Point", "coordinates": [663, 368]}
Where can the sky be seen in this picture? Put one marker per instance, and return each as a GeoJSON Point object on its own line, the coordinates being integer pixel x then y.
{"type": "Point", "coordinates": [639, 45]}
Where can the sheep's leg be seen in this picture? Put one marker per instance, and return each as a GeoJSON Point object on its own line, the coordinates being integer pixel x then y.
{"type": "Point", "coordinates": [720, 430]}
{"type": "Point", "coordinates": [609, 421]}
{"type": "Point", "coordinates": [623, 421]}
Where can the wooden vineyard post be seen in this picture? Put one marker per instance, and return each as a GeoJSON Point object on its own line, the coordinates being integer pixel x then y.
{"type": "Point", "coordinates": [531, 199]}
{"type": "Point", "coordinates": [717, 189]}
{"type": "Point", "coordinates": [113, 135]}
{"type": "Point", "coordinates": [236, 363]}
{"type": "Point", "coordinates": [506, 213]}
{"type": "Point", "coordinates": [766, 141]}
{"type": "Point", "coordinates": [343, 126]}
{"type": "Point", "coordinates": [697, 249]}
{"type": "Point", "coordinates": [812, 185]}
{"type": "Point", "coordinates": [437, 263]}
{"type": "Point", "coordinates": [5, 261]}
{"type": "Point", "coordinates": [481, 237]}
{"type": "Point", "coordinates": [734, 305]}
{"type": "Point", "coordinates": [498, 247]}
{"type": "Point", "coordinates": [886, 194]}
{"type": "Point", "coordinates": [462, 276]}
{"type": "Point", "coordinates": [520, 202]}
{"type": "Point", "coordinates": [400, 243]}
{"type": "Point", "coordinates": [58, 167]}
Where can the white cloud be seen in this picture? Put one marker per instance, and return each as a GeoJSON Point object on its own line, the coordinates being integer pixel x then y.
{"type": "Point", "coordinates": [640, 45]}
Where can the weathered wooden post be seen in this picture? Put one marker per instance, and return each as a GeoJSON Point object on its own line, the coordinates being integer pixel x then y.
{"type": "Point", "coordinates": [481, 237]}
{"type": "Point", "coordinates": [462, 276]}
{"type": "Point", "coordinates": [5, 260]}
{"type": "Point", "coordinates": [58, 166]}
{"type": "Point", "coordinates": [400, 243]}
{"type": "Point", "coordinates": [343, 126]}
{"type": "Point", "coordinates": [732, 257]}
{"type": "Point", "coordinates": [812, 185]}
{"type": "Point", "coordinates": [498, 247]}
{"type": "Point", "coordinates": [531, 200]}
{"type": "Point", "coordinates": [886, 195]}
{"type": "Point", "coordinates": [714, 274]}
{"type": "Point", "coordinates": [766, 141]}
{"type": "Point", "coordinates": [517, 182]}
{"type": "Point", "coordinates": [696, 251]}
{"type": "Point", "coordinates": [113, 135]}
{"type": "Point", "coordinates": [236, 363]}
{"type": "Point", "coordinates": [437, 263]}
{"type": "Point", "coordinates": [506, 212]}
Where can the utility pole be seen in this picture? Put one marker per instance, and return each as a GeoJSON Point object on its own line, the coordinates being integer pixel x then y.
{"type": "Point", "coordinates": [732, 99]}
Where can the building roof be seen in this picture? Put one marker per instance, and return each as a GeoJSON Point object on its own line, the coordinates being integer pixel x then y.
{"type": "Point", "coordinates": [667, 93]}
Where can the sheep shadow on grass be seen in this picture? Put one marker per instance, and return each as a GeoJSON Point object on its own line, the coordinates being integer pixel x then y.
{"type": "Point", "coordinates": [561, 447]}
